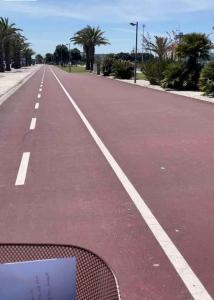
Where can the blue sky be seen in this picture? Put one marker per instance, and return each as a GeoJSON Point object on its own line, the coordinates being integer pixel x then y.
{"type": "Point", "coordinates": [50, 22]}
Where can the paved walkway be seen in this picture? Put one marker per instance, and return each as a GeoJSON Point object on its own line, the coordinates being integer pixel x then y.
{"type": "Point", "coordinates": [11, 80]}
{"type": "Point", "coordinates": [189, 94]}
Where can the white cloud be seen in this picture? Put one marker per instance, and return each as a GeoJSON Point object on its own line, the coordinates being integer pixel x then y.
{"type": "Point", "coordinates": [113, 11]}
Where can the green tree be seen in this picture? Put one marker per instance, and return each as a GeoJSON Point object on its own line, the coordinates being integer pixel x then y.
{"type": "Point", "coordinates": [89, 37]}
{"type": "Point", "coordinates": [39, 59]}
{"type": "Point", "coordinates": [27, 54]}
{"type": "Point", "coordinates": [75, 55]}
{"type": "Point", "coordinates": [123, 56]}
{"type": "Point", "coordinates": [7, 33]}
{"type": "Point", "coordinates": [161, 46]}
{"type": "Point", "coordinates": [61, 54]}
{"type": "Point", "coordinates": [18, 43]}
{"type": "Point", "coordinates": [193, 48]}
{"type": "Point", "coordinates": [49, 58]}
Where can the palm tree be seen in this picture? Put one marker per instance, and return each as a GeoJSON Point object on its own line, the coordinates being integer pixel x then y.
{"type": "Point", "coordinates": [161, 46]}
{"type": "Point", "coordinates": [2, 39]}
{"type": "Point", "coordinates": [194, 47]}
{"type": "Point", "coordinates": [7, 33]}
{"type": "Point", "coordinates": [27, 54]}
{"type": "Point", "coordinates": [89, 37]}
{"type": "Point", "coordinates": [18, 44]}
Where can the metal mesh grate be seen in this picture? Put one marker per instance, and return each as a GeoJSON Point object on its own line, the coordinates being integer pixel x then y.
{"type": "Point", "coordinates": [95, 280]}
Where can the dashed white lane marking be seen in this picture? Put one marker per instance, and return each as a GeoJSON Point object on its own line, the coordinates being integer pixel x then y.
{"type": "Point", "coordinates": [40, 90]}
{"type": "Point", "coordinates": [43, 76]}
{"type": "Point", "coordinates": [33, 124]}
{"type": "Point", "coordinates": [39, 96]}
{"type": "Point", "coordinates": [37, 105]}
{"type": "Point", "coordinates": [184, 270]}
{"type": "Point", "coordinates": [21, 176]}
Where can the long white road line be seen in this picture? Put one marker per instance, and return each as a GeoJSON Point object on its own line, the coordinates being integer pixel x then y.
{"type": "Point", "coordinates": [189, 278]}
{"type": "Point", "coordinates": [21, 176]}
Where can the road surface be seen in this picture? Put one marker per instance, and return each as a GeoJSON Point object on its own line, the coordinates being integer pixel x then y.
{"type": "Point", "coordinates": [124, 171]}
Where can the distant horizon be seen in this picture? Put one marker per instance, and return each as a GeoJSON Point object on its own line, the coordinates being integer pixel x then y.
{"type": "Point", "coordinates": [48, 23]}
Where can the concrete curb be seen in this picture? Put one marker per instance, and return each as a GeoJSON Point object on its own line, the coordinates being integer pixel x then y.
{"type": "Point", "coordinates": [12, 90]}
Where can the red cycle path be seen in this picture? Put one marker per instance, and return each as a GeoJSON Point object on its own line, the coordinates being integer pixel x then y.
{"type": "Point", "coordinates": [72, 196]}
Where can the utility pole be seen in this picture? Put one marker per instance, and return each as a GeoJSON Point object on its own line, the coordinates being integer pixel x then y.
{"type": "Point", "coordinates": [143, 40]}
{"type": "Point", "coordinates": [136, 42]}
{"type": "Point", "coordinates": [69, 55]}
{"type": "Point", "coordinates": [61, 55]}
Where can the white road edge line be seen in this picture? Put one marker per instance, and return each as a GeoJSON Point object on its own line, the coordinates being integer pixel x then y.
{"type": "Point", "coordinates": [39, 96]}
{"type": "Point", "coordinates": [21, 176]}
{"type": "Point", "coordinates": [33, 124]}
{"type": "Point", "coordinates": [189, 278]}
{"type": "Point", "coordinates": [37, 105]}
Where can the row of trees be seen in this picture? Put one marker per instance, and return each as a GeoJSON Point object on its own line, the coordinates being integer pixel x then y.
{"type": "Point", "coordinates": [88, 38]}
{"type": "Point", "coordinates": [62, 56]}
{"type": "Point", "coordinates": [13, 46]}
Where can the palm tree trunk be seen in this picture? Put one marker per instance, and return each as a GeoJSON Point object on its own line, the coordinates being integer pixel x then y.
{"type": "Point", "coordinates": [87, 54]}
{"type": "Point", "coordinates": [26, 61]}
{"type": "Point", "coordinates": [92, 52]}
{"type": "Point", "coordinates": [17, 59]}
{"type": "Point", "coordinates": [1, 59]}
{"type": "Point", "coordinates": [7, 56]}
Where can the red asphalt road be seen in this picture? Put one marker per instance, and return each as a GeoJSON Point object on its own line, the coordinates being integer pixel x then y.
{"type": "Point", "coordinates": [72, 196]}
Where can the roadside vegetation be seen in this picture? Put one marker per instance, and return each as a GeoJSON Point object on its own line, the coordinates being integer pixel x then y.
{"type": "Point", "coordinates": [179, 61]}
{"type": "Point", "coordinates": [74, 69]}
{"type": "Point", "coordinates": [15, 51]}
{"type": "Point", "coordinates": [175, 61]}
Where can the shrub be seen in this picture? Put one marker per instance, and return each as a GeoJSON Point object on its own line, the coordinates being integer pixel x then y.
{"type": "Point", "coordinates": [173, 76]}
{"type": "Point", "coordinates": [107, 65]}
{"type": "Point", "coordinates": [206, 81]}
{"type": "Point", "coordinates": [123, 69]}
{"type": "Point", "coordinates": [154, 70]}
{"type": "Point", "coordinates": [181, 76]}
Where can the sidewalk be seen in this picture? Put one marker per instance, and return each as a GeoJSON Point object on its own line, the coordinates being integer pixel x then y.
{"type": "Point", "coordinates": [10, 81]}
{"type": "Point", "coordinates": [189, 94]}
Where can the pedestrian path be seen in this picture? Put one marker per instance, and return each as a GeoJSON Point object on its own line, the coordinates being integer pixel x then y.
{"type": "Point", "coordinates": [10, 81]}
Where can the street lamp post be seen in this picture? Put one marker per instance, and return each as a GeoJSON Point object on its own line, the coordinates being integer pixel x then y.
{"type": "Point", "coordinates": [61, 55]}
{"type": "Point", "coordinates": [136, 42]}
{"type": "Point", "coordinates": [143, 40]}
{"type": "Point", "coordinates": [69, 55]}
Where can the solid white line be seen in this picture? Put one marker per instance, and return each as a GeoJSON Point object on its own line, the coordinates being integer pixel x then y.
{"type": "Point", "coordinates": [33, 124]}
{"type": "Point", "coordinates": [184, 270]}
{"type": "Point", "coordinates": [21, 176]}
{"type": "Point", "coordinates": [39, 96]}
{"type": "Point", "coordinates": [37, 105]}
